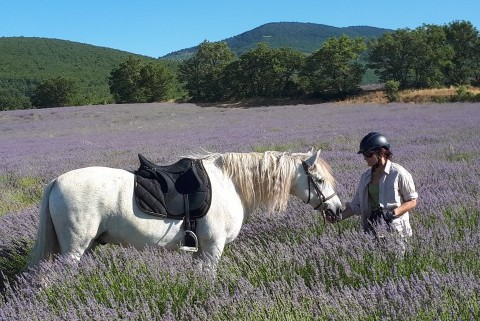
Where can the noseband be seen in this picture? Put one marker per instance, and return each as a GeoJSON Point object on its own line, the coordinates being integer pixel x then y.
{"type": "Point", "coordinates": [320, 195]}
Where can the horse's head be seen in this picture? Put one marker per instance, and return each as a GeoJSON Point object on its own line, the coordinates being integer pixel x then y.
{"type": "Point", "coordinates": [315, 184]}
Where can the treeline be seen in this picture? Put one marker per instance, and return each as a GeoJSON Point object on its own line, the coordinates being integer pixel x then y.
{"type": "Point", "coordinates": [425, 57]}
{"type": "Point", "coordinates": [27, 62]}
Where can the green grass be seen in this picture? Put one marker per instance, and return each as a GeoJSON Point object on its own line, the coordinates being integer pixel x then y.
{"type": "Point", "coordinates": [463, 156]}
{"type": "Point", "coordinates": [298, 145]}
{"type": "Point", "coordinates": [18, 193]}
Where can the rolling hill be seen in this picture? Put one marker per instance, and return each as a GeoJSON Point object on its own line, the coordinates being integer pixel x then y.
{"type": "Point", "coordinates": [24, 61]}
{"type": "Point", "coordinates": [304, 37]}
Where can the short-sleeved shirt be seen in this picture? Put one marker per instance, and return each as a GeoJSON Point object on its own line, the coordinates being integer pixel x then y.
{"type": "Point", "coordinates": [396, 186]}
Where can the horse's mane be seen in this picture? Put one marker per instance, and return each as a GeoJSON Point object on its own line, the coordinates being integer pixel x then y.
{"type": "Point", "coordinates": [266, 178]}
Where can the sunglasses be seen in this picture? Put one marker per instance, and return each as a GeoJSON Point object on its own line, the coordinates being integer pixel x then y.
{"type": "Point", "coordinates": [368, 154]}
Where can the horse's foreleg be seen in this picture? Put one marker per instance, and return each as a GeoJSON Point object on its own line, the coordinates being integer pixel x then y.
{"type": "Point", "coordinates": [209, 255]}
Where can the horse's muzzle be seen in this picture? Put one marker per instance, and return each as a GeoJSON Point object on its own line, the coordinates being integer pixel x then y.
{"type": "Point", "coordinates": [336, 215]}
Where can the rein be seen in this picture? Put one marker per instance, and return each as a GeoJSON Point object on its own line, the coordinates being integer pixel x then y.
{"type": "Point", "coordinates": [319, 193]}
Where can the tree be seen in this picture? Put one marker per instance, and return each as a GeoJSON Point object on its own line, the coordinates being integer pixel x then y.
{"type": "Point", "coordinates": [335, 68]}
{"type": "Point", "coordinates": [156, 82]}
{"type": "Point", "coordinates": [463, 37]}
{"type": "Point", "coordinates": [203, 72]}
{"type": "Point", "coordinates": [255, 76]}
{"type": "Point", "coordinates": [136, 82]}
{"type": "Point", "coordinates": [264, 72]}
{"type": "Point", "coordinates": [54, 92]}
{"type": "Point", "coordinates": [289, 64]}
{"type": "Point", "coordinates": [415, 58]}
{"type": "Point", "coordinates": [431, 56]}
{"type": "Point", "coordinates": [392, 55]}
{"type": "Point", "coordinates": [12, 98]}
{"type": "Point", "coordinates": [476, 64]}
{"type": "Point", "coordinates": [124, 81]}
{"type": "Point", "coordinates": [391, 90]}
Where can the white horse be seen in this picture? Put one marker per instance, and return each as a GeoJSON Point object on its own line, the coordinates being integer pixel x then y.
{"type": "Point", "coordinates": [96, 205]}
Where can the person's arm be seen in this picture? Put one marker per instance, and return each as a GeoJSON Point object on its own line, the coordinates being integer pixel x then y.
{"type": "Point", "coordinates": [347, 211]}
{"type": "Point", "coordinates": [407, 190]}
{"type": "Point", "coordinates": [405, 207]}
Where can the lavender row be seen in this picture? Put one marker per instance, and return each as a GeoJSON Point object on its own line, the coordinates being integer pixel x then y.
{"type": "Point", "coordinates": [311, 272]}
{"type": "Point", "coordinates": [50, 141]}
{"type": "Point", "coordinates": [283, 265]}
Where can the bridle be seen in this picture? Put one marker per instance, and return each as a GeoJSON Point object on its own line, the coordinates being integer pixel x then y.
{"type": "Point", "coordinates": [319, 193]}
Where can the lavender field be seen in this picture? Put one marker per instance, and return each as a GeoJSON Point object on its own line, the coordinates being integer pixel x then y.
{"type": "Point", "coordinates": [283, 266]}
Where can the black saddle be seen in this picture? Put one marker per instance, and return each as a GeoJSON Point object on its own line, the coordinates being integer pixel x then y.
{"type": "Point", "coordinates": [181, 190]}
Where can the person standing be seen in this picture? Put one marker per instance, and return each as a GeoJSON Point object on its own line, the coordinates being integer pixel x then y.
{"type": "Point", "coordinates": [385, 192]}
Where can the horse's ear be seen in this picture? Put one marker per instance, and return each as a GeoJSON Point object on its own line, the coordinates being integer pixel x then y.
{"type": "Point", "coordinates": [310, 152]}
{"type": "Point", "coordinates": [312, 159]}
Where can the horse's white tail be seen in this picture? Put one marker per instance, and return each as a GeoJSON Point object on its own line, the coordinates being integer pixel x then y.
{"type": "Point", "coordinates": [46, 245]}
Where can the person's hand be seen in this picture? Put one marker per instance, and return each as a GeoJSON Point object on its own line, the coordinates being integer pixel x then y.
{"type": "Point", "coordinates": [389, 216]}
{"type": "Point", "coordinates": [331, 218]}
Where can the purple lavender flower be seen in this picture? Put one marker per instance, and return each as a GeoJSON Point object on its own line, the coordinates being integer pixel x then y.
{"type": "Point", "coordinates": [287, 265]}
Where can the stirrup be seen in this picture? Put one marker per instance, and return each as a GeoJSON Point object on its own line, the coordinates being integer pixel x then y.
{"type": "Point", "coordinates": [190, 242]}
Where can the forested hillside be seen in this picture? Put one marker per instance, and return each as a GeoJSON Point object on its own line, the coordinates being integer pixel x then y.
{"type": "Point", "coordinates": [304, 37]}
{"type": "Point", "coordinates": [24, 62]}
{"type": "Point", "coordinates": [27, 62]}
{"type": "Point", "coordinates": [277, 60]}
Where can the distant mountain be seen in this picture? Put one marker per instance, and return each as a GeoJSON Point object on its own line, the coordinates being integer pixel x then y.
{"type": "Point", "coordinates": [304, 37]}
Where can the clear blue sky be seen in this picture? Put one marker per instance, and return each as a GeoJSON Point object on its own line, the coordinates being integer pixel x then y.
{"type": "Point", "coordinates": [157, 27]}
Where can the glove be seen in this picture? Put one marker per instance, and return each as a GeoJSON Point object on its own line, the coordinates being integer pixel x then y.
{"type": "Point", "coordinates": [389, 216]}
{"type": "Point", "coordinates": [331, 217]}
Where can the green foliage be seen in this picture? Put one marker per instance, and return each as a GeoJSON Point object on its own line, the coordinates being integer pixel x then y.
{"type": "Point", "coordinates": [156, 81]}
{"type": "Point", "coordinates": [203, 72]}
{"type": "Point", "coordinates": [26, 62]}
{"type": "Point", "coordinates": [429, 56]}
{"type": "Point", "coordinates": [54, 92]}
{"type": "Point", "coordinates": [463, 94]}
{"type": "Point", "coordinates": [275, 60]}
{"type": "Point", "coordinates": [13, 99]}
{"type": "Point", "coordinates": [303, 37]}
{"type": "Point", "coordinates": [264, 72]}
{"type": "Point", "coordinates": [463, 38]}
{"type": "Point", "coordinates": [388, 56]}
{"type": "Point", "coordinates": [135, 82]}
{"type": "Point", "coordinates": [335, 66]}
{"type": "Point", "coordinates": [124, 81]}
{"type": "Point", "coordinates": [392, 90]}
{"type": "Point", "coordinates": [415, 58]}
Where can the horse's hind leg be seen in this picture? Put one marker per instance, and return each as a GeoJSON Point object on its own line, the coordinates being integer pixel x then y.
{"type": "Point", "coordinates": [76, 233]}
{"type": "Point", "coordinates": [74, 246]}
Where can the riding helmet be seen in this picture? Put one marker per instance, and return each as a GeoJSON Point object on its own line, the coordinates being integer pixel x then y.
{"type": "Point", "coordinates": [372, 142]}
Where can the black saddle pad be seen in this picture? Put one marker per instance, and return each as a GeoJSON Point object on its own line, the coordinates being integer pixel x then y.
{"type": "Point", "coordinates": [168, 191]}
